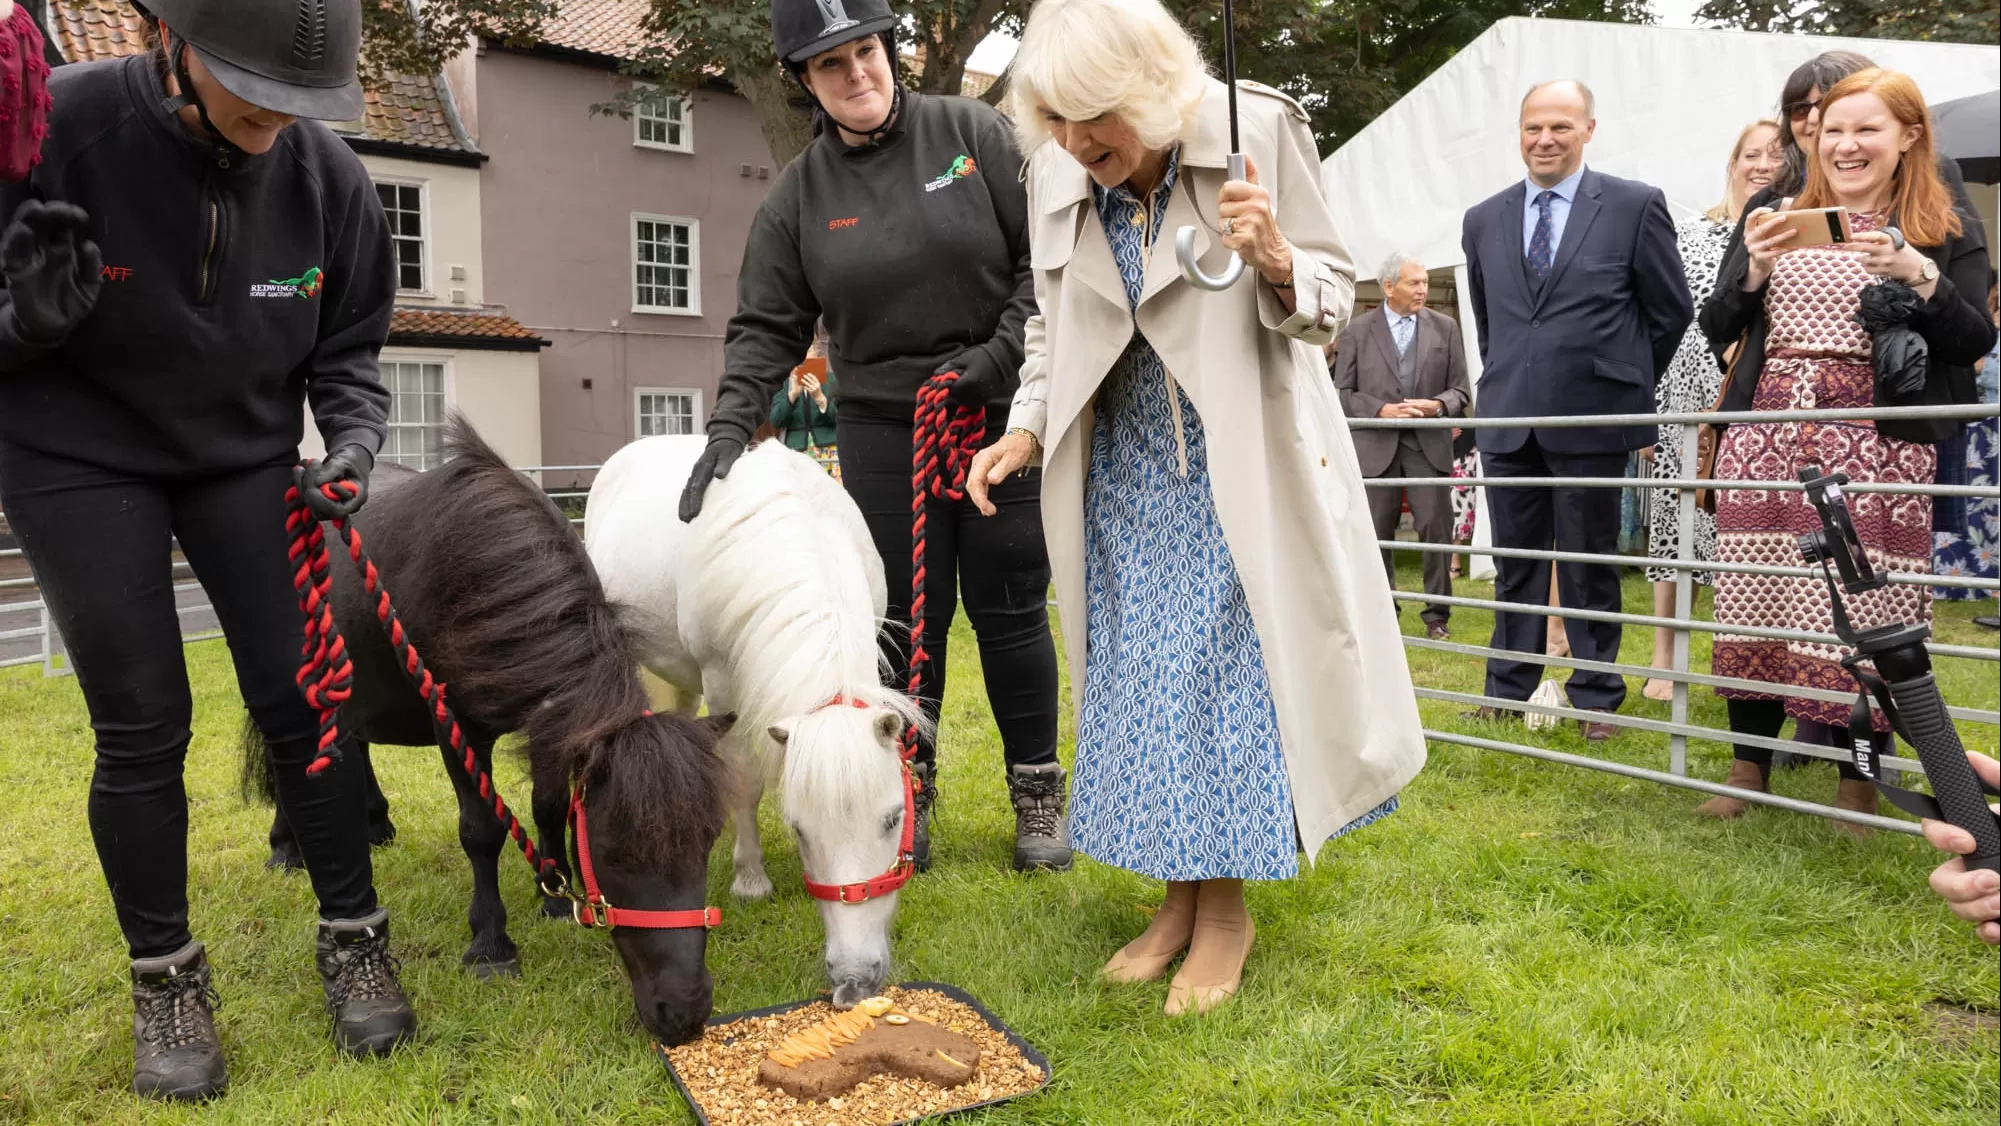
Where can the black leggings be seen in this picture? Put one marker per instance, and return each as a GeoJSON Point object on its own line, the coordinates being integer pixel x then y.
{"type": "Point", "coordinates": [998, 563]}
{"type": "Point", "coordinates": [1765, 717]}
{"type": "Point", "coordinates": [98, 542]}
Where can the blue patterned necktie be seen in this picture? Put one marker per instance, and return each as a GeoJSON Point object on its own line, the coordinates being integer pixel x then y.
{"type": "Point", "coordinates": [1539, 241]}
{"type": "Point", "coordinates": [1400, 331]}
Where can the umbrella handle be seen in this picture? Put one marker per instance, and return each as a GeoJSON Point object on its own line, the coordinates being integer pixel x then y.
{"type": "Point", "coordinates": [1184, 248]}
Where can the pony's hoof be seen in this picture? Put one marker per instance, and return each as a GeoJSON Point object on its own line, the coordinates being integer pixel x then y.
{"type": "Point", "coordinates": [751, 885]}
{"type": "Point", "coordinates": [555, 908]}
{"type": "Point", "coordinates": [486, 969]}
{"type": "Point", "coordinates": [285, 859]}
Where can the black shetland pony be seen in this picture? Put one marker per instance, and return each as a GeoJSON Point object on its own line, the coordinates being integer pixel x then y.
{"type": "Point", "coordinates": [496, 593]}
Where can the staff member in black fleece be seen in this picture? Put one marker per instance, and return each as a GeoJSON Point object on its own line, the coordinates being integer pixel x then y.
{"type": "Point", "coordinates": [905, 225]}
{"type": "Point", "coordinates": [186, 267]}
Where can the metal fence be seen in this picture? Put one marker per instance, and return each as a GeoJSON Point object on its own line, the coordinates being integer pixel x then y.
{"type": "Point", "coordinates": [1677, 729]}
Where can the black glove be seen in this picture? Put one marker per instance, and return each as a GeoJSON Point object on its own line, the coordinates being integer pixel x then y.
{"type": "Point", "coordinates": [53, 272]}
{"type": "Point", "coordinates": [350, 464]}
{"type": "Point", "coordinates": [1902, 358]}
{"type": "Point", "coordinates": [713, 465]}
{"type": "Point", "coordinates": [981, 380]}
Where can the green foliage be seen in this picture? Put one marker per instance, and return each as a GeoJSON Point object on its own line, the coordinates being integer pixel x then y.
{"type": "Point", "coordinates": [1944, 21]}
{"type": "Point", "coordinates": [404, 37]}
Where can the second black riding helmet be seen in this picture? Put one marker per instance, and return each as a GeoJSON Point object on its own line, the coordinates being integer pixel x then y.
{"type": "Point", "coordinates": [294, 57]}
{"type": "Point", "coordinates": [801, 29]}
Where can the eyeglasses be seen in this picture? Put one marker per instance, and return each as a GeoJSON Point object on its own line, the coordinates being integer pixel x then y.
{"type": "Point", "coordinates": [1797, 111]}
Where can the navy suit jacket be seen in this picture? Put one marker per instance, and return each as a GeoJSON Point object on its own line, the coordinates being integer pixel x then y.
{"type": "Point", "coordinates": [1597, 333]}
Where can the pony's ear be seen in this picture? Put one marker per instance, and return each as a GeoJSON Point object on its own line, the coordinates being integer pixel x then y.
{"type": "Point", "coordinates": [780, 733]}
{"type": "Point", "coordinates": [888, 728]}
{"type": "Point", "coordinates": [717, 725]}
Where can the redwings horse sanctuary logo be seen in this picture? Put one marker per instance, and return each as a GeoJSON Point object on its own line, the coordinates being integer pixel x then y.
{"type": "Point", "coordinates": [962, 167]}
{"type": "Point", "coordinates": [305, 285]}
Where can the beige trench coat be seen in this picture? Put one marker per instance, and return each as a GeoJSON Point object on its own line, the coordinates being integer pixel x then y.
{"type": "Point", "coordinates": [1282, 468]}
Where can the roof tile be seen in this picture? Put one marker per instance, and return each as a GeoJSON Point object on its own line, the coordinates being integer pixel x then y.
{"type": "Point", "coordinates": [467, 324]}
{"type": "Point", "coordinates": [612, 28]}
{"type": "Point", "coordinates": [406, 110]}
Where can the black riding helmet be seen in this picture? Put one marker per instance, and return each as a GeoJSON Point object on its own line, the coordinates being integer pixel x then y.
{"type": "Point", "coordinates": [294, 57]}
{"type": "Point", "coordinates": [801, 29]}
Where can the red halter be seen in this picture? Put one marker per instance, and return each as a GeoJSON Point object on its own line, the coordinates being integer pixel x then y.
{"type": "Point", "coordinates": [593, 910]}
{"type": "Point", "coordinates": [906, 860]}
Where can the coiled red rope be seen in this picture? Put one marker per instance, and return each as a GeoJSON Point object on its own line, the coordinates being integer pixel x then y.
{"type": "Point", "coordinates": [943, 439]}
{"type": "Point", "coordinates": [326, 673]}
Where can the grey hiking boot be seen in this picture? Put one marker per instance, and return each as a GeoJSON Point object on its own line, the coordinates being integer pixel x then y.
{"type": "Point", "coordinates": [371, 1014]}
{"type": "Point", "coordinates": [925, 774]}
{"type": "Point", "coordinates": [1040, 840]}
{"type": "Point", "coordinates": [175, 1051]}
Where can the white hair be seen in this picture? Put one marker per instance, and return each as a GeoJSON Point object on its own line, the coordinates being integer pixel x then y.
{"type": "Point", "coordinates": [1082, 59]}
{"type": "Point", "coordinates": [1391, 271]}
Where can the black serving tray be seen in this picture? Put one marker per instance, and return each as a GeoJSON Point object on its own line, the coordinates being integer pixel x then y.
{"type": "Point", "coordinates": [1028, 1051]}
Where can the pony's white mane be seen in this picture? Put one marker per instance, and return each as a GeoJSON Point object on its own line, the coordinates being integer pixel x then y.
{"type": "Point", "coordinates": [784, 599]}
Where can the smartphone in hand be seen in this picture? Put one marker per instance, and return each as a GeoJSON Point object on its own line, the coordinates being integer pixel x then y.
{"type": "Point", "coordinates": [1817, 226]}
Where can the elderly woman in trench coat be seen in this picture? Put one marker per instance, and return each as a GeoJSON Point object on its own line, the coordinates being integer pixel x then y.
{"type": "Point", "coordinates": [1243, 690]}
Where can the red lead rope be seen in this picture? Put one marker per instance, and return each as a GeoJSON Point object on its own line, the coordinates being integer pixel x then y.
{"type": "Point", "coordinates": [943, 441]}
{"type": "Point", "coordinates": [326, 677]}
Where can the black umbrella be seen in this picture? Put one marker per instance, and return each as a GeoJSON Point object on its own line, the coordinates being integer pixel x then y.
{"type": "Point", "coordinates": [1969, 130]}
{"type": "Point", "coordinates": [1184, 239]}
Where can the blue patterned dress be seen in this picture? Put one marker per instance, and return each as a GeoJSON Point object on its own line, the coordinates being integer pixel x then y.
{"type": "Point", "coordinates": [1179, 774]}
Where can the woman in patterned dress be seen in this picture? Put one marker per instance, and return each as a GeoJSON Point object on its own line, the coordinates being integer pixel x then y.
{"type": "Point", "coordinates": [1693, 377]}
{"type": "Point", "coordinates": [1795, 309]}
{"type": "Point", "coordinates": [1242, 691]}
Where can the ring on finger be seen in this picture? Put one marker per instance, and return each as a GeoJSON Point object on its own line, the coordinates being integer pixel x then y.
{"type": "Point", "coordinates": [1228, 225]}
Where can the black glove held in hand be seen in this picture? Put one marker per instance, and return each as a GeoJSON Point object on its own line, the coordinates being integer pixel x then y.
{"type": "Point", "coordinates": [1902, 358]}
{"type": "Point", "coordinates": [53, 272]}
{"type": "Point", "coordinates": [349, 464]}
{"type": "Point", "coordinates": [980, 379]}
{"type": "Point", "coordinates": [713, 465]}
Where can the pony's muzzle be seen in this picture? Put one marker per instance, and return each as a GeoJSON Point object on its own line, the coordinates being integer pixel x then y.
{"type": "Point", "coordinates": [856, 982]}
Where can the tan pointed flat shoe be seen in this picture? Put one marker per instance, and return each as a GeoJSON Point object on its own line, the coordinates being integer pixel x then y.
{"type": "Point", "coordinates": [1184, 995]}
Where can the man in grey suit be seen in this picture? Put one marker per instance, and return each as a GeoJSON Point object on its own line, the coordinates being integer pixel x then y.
{"type": "Point", "coordinates": [1405, 361]}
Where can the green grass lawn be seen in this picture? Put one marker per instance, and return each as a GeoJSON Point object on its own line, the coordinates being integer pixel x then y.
{"type": "Point", "coordinates": [1522, 943]}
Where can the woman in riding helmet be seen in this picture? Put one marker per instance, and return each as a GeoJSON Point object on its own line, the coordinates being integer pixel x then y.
{"type": "Point", "coordinates": [904, 224]}
{"type": "Point", "coordinates": [190, 264]}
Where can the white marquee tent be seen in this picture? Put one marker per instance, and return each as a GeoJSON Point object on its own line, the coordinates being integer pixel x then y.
{"type": "Point", "coordinates": [1670, 101]}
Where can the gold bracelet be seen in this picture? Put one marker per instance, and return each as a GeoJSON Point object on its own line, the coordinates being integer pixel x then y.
{"type": "Point", "coordinates": [1032, 439]}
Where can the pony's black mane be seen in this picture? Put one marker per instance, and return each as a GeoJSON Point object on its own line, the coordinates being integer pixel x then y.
{"type": "Point", "coordinates": [519, 621]}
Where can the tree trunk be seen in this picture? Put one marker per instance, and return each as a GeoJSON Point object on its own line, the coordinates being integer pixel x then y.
{"type": "Point", "coordinates": [770, 91]}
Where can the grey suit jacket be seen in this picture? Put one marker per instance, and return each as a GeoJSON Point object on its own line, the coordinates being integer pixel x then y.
{"type": "Point", "coordinates": [1365, 372]}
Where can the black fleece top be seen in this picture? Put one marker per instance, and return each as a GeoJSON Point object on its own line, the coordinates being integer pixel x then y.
{"type": "Point", "coordinates": [234, 288]}
{"type": "Point", "coordinates": [914, 249]}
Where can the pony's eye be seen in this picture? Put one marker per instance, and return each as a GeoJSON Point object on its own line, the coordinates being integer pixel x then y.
{"type": "Point", "coordinates": [893, 822]}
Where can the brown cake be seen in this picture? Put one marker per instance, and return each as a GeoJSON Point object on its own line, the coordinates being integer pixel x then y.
{"type": "Point", "coordinates": [917, 1050]}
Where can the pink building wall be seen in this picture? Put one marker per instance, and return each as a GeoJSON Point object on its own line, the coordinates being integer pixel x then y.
{"type": "Point", "coordinates": [558, 194]}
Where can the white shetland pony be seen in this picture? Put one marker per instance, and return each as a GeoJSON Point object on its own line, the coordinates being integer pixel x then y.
{"type": "Point", "coordinates": [769, 604]}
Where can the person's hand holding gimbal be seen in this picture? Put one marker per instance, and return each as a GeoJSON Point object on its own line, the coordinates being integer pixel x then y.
{"type": "Point", "coordinates": [1974, 896]}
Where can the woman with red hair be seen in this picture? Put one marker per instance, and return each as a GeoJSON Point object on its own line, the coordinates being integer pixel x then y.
{"type": "Point", "coordinates": [1794, 311]}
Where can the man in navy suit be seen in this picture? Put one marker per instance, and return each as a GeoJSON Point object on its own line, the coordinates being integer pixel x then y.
{"type": "Point", "coordinates": [1580, 301]}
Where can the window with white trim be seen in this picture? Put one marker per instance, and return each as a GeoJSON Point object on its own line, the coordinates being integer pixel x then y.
{"type": "Point", "coordinates": [663, 121]}
{"type": "Point", "coordinates": [416, 413]}
{"type": "Point", "coordinates": [667, 410]}
{"type": "Point", "coordinates": [404, 205]}
{"type": "Point", "coordinates": [666, 262]}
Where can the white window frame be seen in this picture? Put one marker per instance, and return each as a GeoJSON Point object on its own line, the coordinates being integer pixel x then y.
{"type": "Point", "coordinates": [694, 307]}
{"type": "Point", "coordinates": [424, 240]}
{"type": "Point", "coordinates": [448, 383]}
{"type": "Point", "coordinates": [687, 122]}
{"type": "Point", "coordinates": [700, 420]}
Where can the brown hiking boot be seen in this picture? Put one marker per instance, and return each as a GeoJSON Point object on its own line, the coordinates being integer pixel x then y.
{"type": "Point", "coordinates": [1039, 838]}
{"type": "Point", "coordinates": [175, 1051]}
{"type": "Point", "coordinates": [1859, 795]}
{"type": "Point", "coordinates": [1743, 776]}
{"type": "Point", "coordinates": [371, 1014]}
